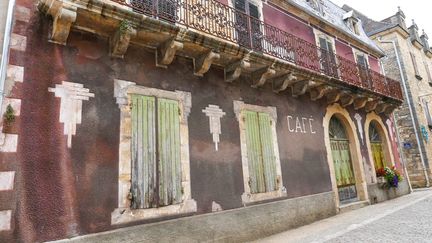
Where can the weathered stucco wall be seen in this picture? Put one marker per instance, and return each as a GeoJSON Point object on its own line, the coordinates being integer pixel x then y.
{"type": "Point", "coordinates": [73, 191]}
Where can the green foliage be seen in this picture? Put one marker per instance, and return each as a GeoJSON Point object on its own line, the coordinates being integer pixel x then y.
{"type": "Point", "coordinates": [9, 115]}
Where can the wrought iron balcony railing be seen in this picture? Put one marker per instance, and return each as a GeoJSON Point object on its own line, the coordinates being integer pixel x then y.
{"type": "Point", "coordinates": [222, 21]}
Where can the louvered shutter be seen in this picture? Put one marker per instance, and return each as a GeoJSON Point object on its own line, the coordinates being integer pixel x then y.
{"type": "Point", "coordinates": [267, 146]}
{"type": "Point", "coordinates": [170, 189]}
{"type": "Point", "coordinates": [254, 154]}
{"type": "Point", "coordinates": [143, 149]}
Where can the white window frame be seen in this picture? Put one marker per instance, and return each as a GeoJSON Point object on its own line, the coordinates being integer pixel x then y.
{"type": "Point", "coordinates": [123, 213]}
{"type": "Point", "coordinates": [247, 196]}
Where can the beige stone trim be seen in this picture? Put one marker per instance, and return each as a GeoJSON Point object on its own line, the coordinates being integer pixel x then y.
{"type": "Point", "coordinates": [5, 220]}
{"type": "Point", "coordinates": [247, 196]}
{"type": "Point", "coordinates": [388, 155]}
{"type": "Point", "coordinates": [18, 42]}
{"type": "Point", "coordinates": [123, 214]}
{"type": "Point", "coordinates": [7, 180]}
{"type": "Point", "coordinates": [343, 115]}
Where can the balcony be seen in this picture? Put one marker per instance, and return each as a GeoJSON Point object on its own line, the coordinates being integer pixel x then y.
{"type": "Point", "coordinates": [212, 33]}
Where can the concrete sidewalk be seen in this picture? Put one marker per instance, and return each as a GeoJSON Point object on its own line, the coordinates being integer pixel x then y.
{"type": "Point", "coordinates": [371, 224]}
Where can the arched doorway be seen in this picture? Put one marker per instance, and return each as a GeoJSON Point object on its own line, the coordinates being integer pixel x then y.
{"type": "Point", "coordinates": [376, 144]}
{"type": "Point", "coordinates": [342, 160]}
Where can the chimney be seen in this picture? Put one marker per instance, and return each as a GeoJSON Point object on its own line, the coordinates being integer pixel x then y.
{"type": "Point", "coordinates": [425, 41]}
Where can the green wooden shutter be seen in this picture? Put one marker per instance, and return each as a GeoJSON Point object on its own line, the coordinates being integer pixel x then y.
{"type": "Point", "coordinates": [170, 189]}
{"type": "Point", "coordinates": [337, 162]}
{"type": "Point", "coordinates": [346, 167]}
{"type": "Point", "coordinates": [267, 146]}
{"type": "Point", "coordinates": [254, 152]}
{"type": "Point", "coordinates": [378, 155]}
{"type": "Point", "coordinates": [143, 151]}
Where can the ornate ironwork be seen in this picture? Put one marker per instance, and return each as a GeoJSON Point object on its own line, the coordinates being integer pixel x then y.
{"type": "Point", "coordinates": [217, 19]}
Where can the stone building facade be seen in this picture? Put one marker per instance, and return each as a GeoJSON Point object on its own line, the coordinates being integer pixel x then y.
{"type": "Point", "coordinates": [416, 61]}
{"type": "Point", "coordinates": [220, 120]}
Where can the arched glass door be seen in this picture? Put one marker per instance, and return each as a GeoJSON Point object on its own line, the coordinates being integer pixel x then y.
{"type": "Point", "coordinates": [342, 161]}
{"type": "Point", "coordinates": [376, 146]}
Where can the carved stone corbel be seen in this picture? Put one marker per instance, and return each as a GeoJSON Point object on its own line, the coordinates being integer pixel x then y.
{"type": "Point", "coordinates": [371, 105]}
{"type": "Point", "coordinates": [165, 53]}
{"type": "Point", "coordinates": [202, 64]}
{"type": "Point", "coordinates": [63, 15]}
{"type": "Point", "coordinates": [360, 102]}
{"type": "Point", "coordinates": [300, 88]}
{"type": "Point", "coordinates": [381, 107]}
{"type": "Point", "coordinates": [233, 71]}
{"type": "Point", "coordinates": [119, 42]}
{"type": "Point", "coordinates": [282, 82]}
{"type": "Point", "coordinates": [319, 92]}
{"type": "Point", "coordinates": [260, 77]}
{"type": "Point", "coordinates": [346, 99]}
{"type": "Point", "coordinates": [333, 96]}
{"type": "Point", "coordinates": [389, 109]}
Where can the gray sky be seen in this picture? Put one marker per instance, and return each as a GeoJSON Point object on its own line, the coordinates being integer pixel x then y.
{"type": "Point", "coordinates": [419, 10]}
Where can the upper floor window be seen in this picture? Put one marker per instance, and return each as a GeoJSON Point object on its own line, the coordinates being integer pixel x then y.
{"type": "Point", "coordinates": [352, 22]}
{"type": "Point", "coordinates": [248, 25]}
{"type": "Point", "coordinates": [427, 113]}
{"type": "Point", "coordinates": [328, 62]}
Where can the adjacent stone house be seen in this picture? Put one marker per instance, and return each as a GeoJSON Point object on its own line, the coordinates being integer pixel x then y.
{"type": "Point", "coordinates": [415, 57]}
{"type": "Point", "coordinates": [220, 120]}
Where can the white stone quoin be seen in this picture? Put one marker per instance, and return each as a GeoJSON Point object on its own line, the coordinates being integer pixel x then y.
{"type": "Point", "coordinates": [214, 114]}
{"type": "Point", "coordinates": [7, 180]}
{"type": "Point", "coordinates": [71, 95]}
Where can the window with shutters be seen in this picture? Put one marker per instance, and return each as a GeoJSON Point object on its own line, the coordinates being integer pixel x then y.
{"type": "Point", "coordinates": [154, 176]}
{"type": "Point", "coordinates": [260, 154]}
{"type": "Point", "coordinates": [326, 52]}
{"type": "Point", "coordinates": [416, 70]}
{"type": "Point", "coordinates": [362, 65]}
{"type": "Point", "coordinates": [249, 31]}
{"type": "Point", "coordinates": [164, 9]}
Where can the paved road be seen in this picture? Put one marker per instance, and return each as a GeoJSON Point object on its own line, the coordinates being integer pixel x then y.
{"type": "Point", "coordinates": [405, 219]}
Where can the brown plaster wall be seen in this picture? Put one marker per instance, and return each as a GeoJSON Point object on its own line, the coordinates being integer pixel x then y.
{"type": "Point", "coordinates": [67, 192]}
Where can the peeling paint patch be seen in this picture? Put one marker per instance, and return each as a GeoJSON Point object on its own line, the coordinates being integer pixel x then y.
{"type": "Point", "coordinates": [5, 220]}
{"type": "Point", "coordinates": [216, 207]}
{"type": "Point", "coordinates": [7, 180]}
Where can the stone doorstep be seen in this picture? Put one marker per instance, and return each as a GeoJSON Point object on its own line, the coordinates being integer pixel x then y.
{"type": "Point", "coordinates": [353, 206]}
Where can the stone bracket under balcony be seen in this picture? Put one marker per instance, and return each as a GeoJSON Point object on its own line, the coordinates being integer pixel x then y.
{"type": "Point", "coordinates": [168, 39]}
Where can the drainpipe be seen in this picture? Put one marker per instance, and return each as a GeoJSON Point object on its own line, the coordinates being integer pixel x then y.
{"type": "Point", "coordinates": [409, 107]}
{"type": "Point", "coordinates": [5, 50]}
{"type": "Point", "coordinates": [401, 154]}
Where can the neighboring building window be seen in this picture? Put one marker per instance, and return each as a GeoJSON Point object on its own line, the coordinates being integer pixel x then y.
{"type": "Point", "coordinates": [427, 113]}
{"type": "Point", "coordinates": [416, 70]}
{"type": "Point", "coordinates": [154, 175]}
{"type": "Point", "coordinates": [428, 73]}
{"type": "Point", "coordinates": [260, 153]}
